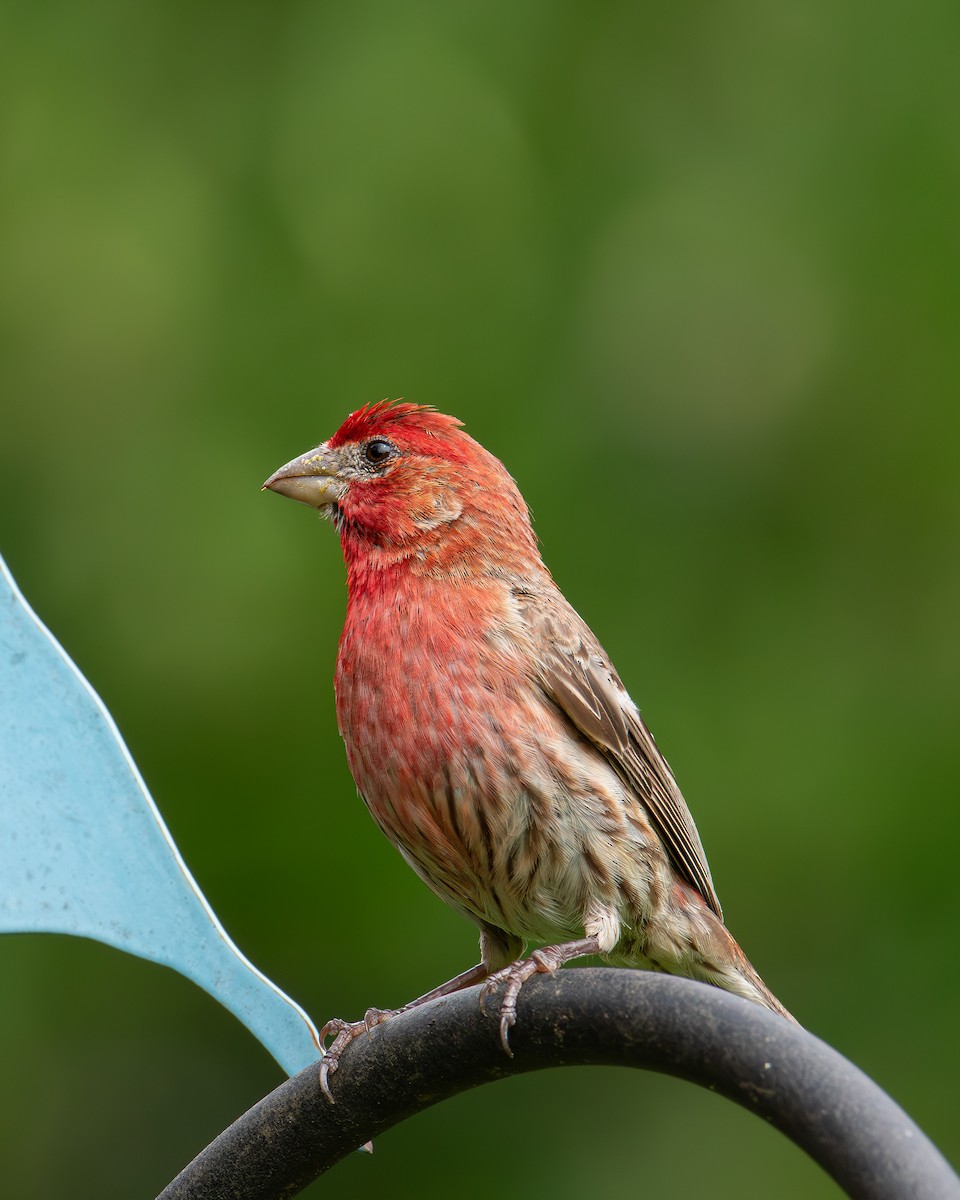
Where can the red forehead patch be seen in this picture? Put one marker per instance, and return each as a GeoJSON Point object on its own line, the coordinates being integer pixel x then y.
{"type": "Point", "coordinates": [392, 418]}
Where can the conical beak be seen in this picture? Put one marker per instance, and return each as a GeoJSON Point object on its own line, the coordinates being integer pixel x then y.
{"type": "Point", "coordinates": [312, 478]}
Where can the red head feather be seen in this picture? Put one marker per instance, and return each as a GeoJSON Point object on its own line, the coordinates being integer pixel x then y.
{"type": "Point", "coordinates": [445, 499]}
{"type": "Point", "coordinates": [413, 423]}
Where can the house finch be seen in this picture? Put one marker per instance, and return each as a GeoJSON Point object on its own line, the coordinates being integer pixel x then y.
{"type": "Point", "coordinates": [489, 734]}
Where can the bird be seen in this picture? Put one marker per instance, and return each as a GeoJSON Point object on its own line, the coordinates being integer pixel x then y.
{"type": "Point", "coordinates": [487, 730]}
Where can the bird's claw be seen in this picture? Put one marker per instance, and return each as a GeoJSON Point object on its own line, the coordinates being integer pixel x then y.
{"type": "Point", "coordinates": [545, 961]}
{"type": "Point", "coordinates": [343, 1033]}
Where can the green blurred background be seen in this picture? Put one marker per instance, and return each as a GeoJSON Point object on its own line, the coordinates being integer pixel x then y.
{"type": "Point", "coordinates": [692, 272]}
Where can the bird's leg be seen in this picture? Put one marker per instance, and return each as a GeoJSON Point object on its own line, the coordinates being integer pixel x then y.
{"type": "Point", "coordinates": [544, 961]}
{"type": "Point", "coordinates": [344, 1032]}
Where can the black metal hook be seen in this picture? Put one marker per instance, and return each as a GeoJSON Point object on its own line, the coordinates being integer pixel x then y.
{"type": "Point", "coordinates": [785, 1075]}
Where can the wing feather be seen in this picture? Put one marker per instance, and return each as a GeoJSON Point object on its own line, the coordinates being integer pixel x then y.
{"type": "Point", "coordinates": [579, 677]}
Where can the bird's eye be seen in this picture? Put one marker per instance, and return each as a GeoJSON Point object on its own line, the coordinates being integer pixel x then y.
{"type": "Point", "coordinates": [378, 451]}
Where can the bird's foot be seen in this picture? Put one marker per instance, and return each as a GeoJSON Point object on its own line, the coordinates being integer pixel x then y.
{"type": "Point", "coordinates": [343, 1033]}
{"type": "Point", "coordinates": [540, 962]}
{"type": "Point", "coordinates": [545, 961]}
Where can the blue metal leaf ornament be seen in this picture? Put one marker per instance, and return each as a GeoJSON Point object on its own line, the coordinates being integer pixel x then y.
{"type": "Point", "coordinates": [83, 849]}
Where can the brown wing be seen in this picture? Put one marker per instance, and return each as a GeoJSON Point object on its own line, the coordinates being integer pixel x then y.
{"type": "Point", "coordinates": [577, 675]}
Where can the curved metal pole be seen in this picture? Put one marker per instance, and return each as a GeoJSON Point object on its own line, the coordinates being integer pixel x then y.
{"type": "Point", "coordinates": [785, 1075]}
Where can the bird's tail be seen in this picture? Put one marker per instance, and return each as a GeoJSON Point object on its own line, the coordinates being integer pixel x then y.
{"type": "Point", "coordinates": [719, 959]}
{"type": "Point", "coordinates": [757, 989]}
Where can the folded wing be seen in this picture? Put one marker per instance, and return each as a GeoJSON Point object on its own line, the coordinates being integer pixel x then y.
{"type": "Point", "coordinates": [577, 675]}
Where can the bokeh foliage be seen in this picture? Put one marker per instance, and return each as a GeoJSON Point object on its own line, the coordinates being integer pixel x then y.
{"type": "Point", "coordinates": [692, 272]}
